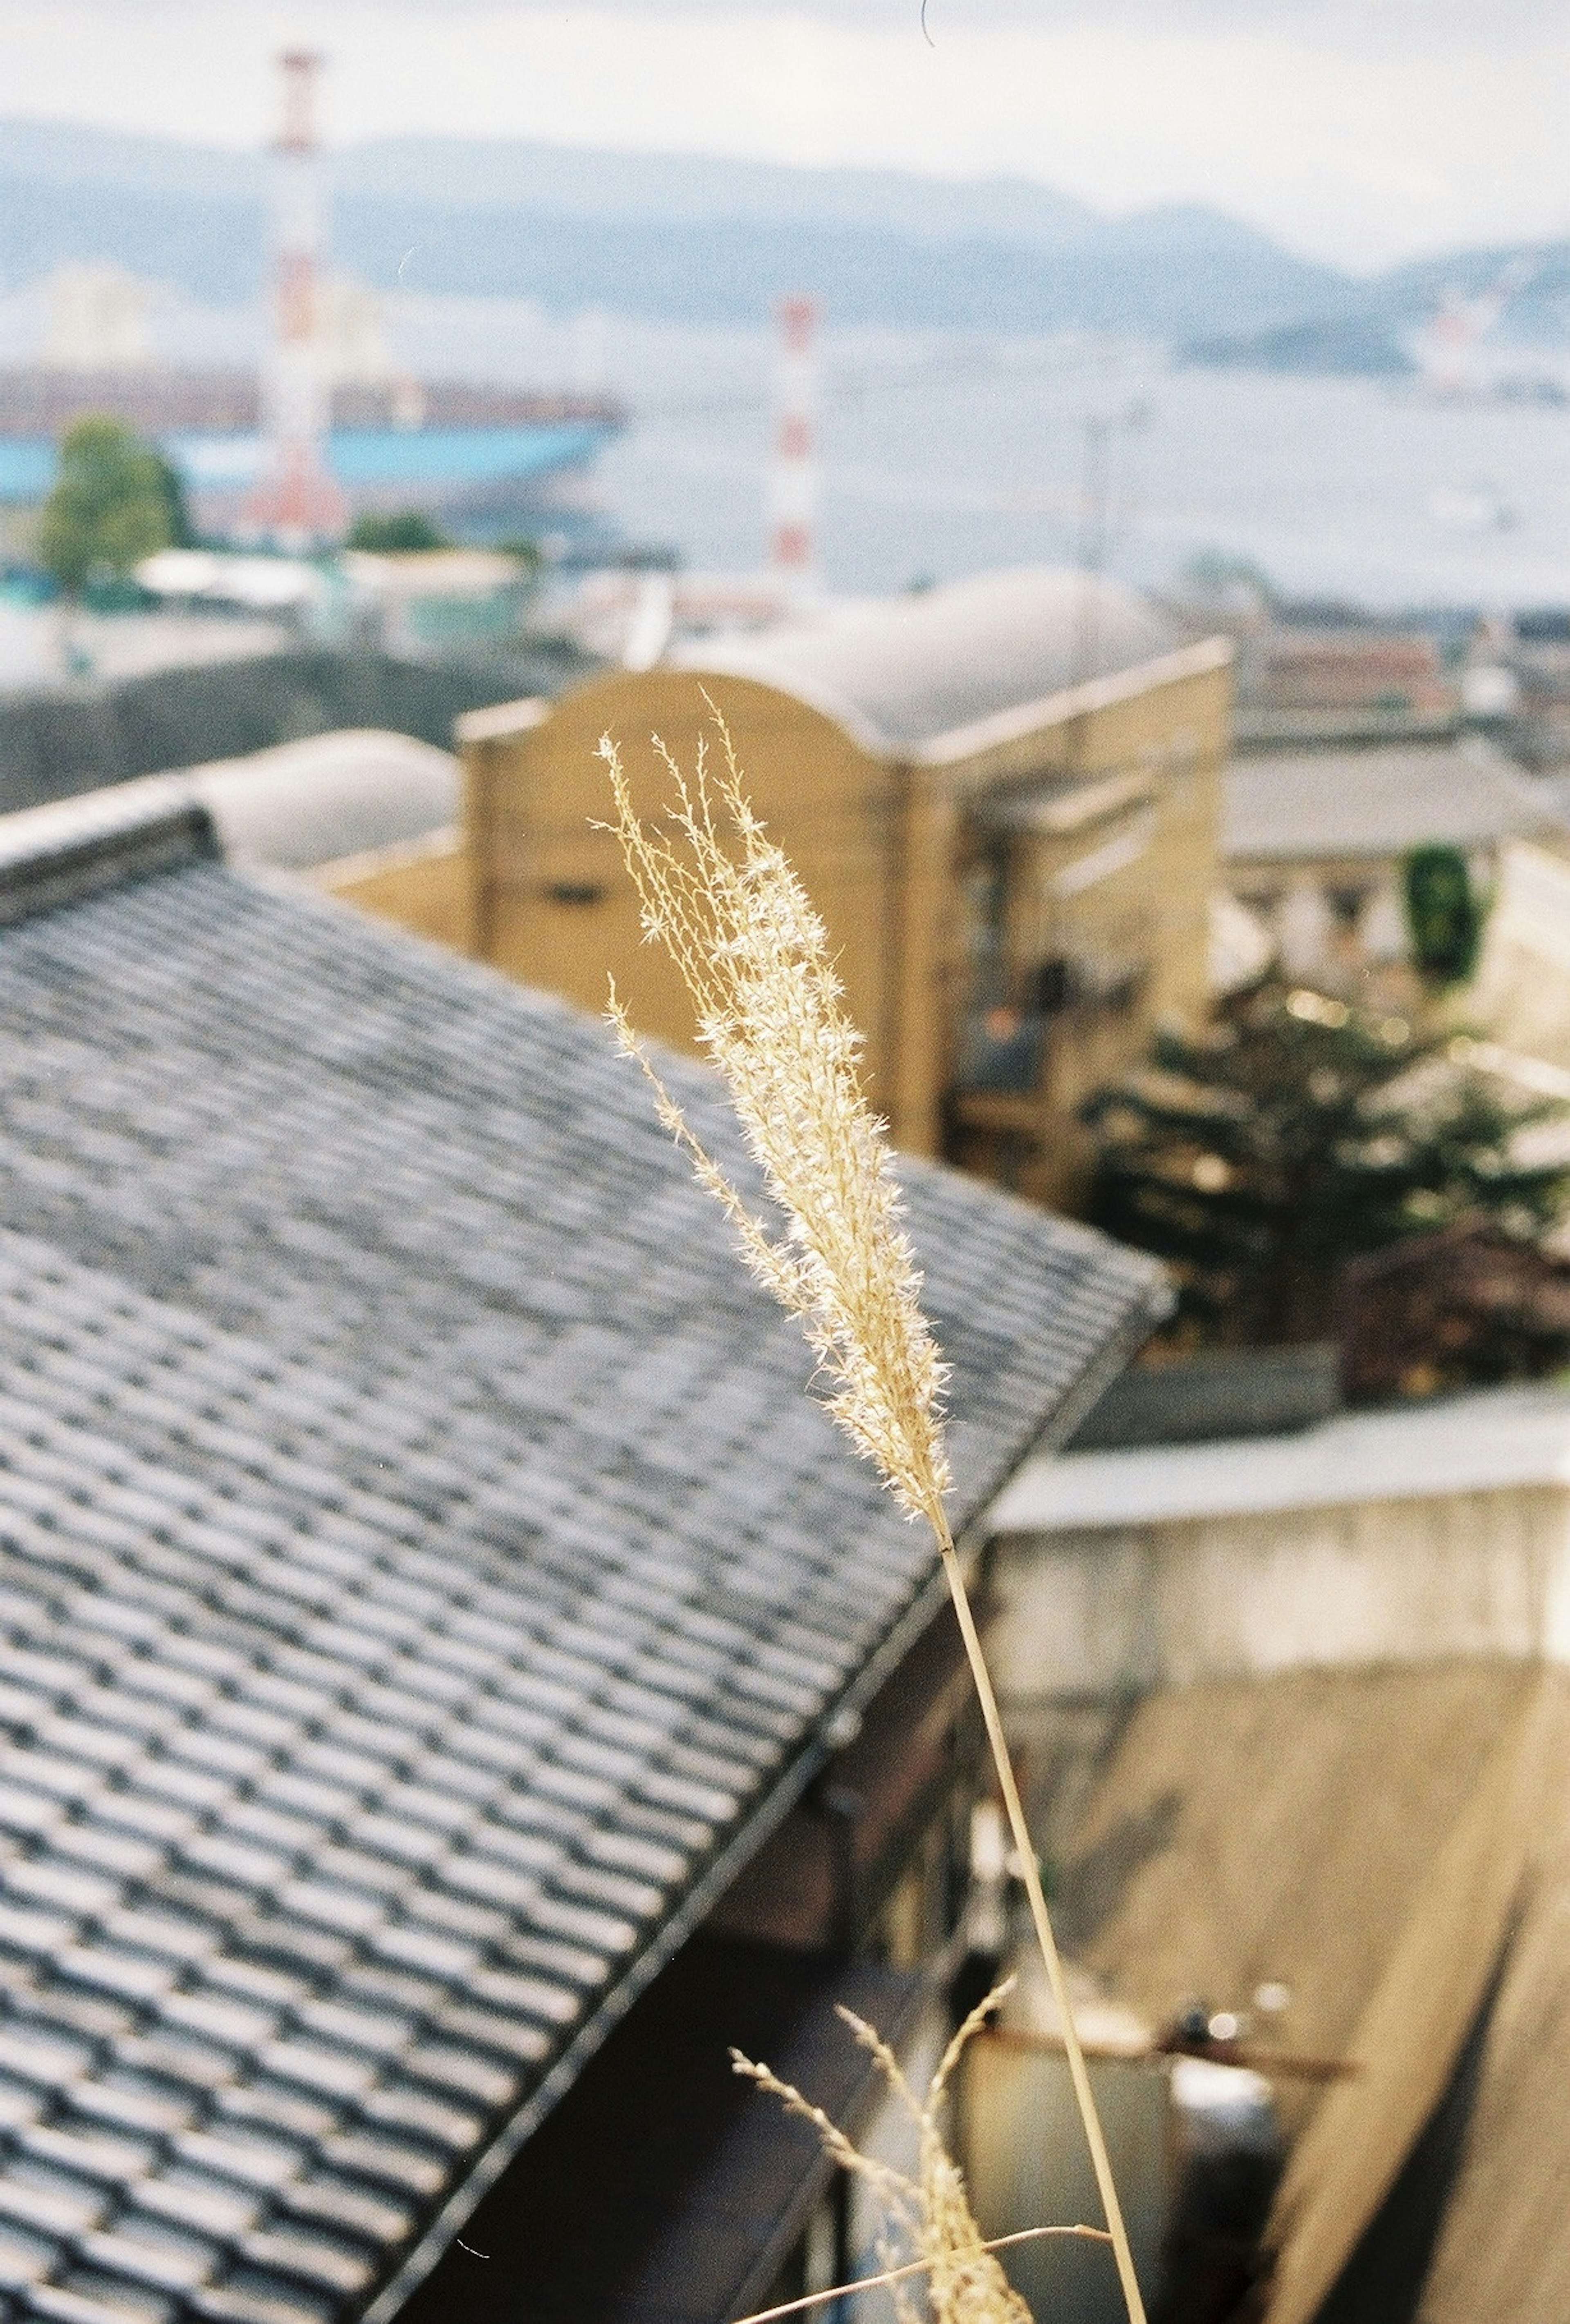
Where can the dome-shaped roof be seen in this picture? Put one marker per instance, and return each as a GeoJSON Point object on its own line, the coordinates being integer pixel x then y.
{"type": "Point", "coordinates": [901, 671]}
{"type": "Point", "coordinates": [290, 808]}
{"type": "Point", "coordinates": [328, 796]}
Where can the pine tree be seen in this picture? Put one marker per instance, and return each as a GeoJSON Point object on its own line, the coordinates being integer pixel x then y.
{"type": "Point", "coordinates": [1259, 1153]}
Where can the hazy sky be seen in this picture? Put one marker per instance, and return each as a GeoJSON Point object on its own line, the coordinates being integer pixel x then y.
{"type": "Point", "coordinates": [1358, 129]}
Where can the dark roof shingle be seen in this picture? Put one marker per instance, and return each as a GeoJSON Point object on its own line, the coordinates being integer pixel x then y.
{"type": "Point", "coordinates": [422, 1575]}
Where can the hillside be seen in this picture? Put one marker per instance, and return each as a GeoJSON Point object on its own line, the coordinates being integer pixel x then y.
{"type": "Point", "coordinates": [682, 238]}
{"type": "Point", "coordinates": [690, 238]}
{"type": "Point", "coordinates": [1369, 331]}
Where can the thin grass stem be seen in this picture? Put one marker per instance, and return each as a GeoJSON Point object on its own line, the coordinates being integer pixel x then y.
{"type": "Point", "coordinates": [912, 2267]}
{"type": "Point", "coordinates": [1013, 1808]}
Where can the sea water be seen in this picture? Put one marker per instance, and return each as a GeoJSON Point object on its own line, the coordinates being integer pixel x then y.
{"type": "Point", "coordinates": [943, 453]}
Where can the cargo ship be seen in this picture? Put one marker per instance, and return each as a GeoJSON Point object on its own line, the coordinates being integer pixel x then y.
{"type": "Point", "coordinates": [483, 461]}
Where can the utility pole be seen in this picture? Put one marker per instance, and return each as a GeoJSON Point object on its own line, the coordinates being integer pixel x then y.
{"type": "Point", "coordinates": [1102, 431]}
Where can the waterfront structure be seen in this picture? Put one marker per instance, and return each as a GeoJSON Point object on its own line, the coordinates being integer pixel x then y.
{"type": "Point", "coordinates": [1013, 853]}
{"type": "Point", "coordinates": [482, 459]}
{"type": "Point", "coordinates": [327, 429]}
{"type": "Point", "coordinates": [793, 476]}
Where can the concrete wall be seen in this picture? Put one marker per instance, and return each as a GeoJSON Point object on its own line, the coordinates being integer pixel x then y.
{"type": "Point", "coordinates": [55, 744]}
{"type": "Point", "coordinates": [1115, 1612]}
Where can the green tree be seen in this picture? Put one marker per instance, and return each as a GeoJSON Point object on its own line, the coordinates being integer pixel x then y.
{"type": "Point", "coordinates": [110, 507]}
{"type": "Point", "coordinates": [386, 531]}
{"type": "Point", "coordinates": [1444, 914]}
{"type": "Point", "coordinates": [1260, 1153]}
{"type": "Point", "coordinates": [176, 511]}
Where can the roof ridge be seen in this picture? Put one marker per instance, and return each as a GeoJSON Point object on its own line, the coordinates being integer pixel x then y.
{"type": "Point", "coordinates": [60, 854]}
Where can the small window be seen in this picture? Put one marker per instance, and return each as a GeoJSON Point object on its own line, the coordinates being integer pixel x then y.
{"type": "Point", "coordinates": [577, 892]}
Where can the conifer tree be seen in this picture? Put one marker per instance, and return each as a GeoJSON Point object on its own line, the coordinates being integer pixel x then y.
{"type": "Point", "coordinates": [1259, 1153]}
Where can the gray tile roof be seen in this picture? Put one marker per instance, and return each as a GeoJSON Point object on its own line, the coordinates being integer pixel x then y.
{"type": "Point", "coordinates": [423, 1578]}
{"type": "Point", "coordinates": [1377, 801]}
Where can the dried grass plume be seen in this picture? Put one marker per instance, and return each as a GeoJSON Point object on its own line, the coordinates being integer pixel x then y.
{"type": "Point", "coordinates": [725, 904]}
{"type": "Point", "coordinates": [728, 908]}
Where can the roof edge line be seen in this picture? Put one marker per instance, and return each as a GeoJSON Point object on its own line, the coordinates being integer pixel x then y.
{"type": "Point", "coordinates": [922, 1608]}
{"type": "Point", "coordinates": [76, 856]}
{"type": "Point", "coordinates": [823, 699]}
{"type": "Point", "coordinates": [1072, 702]}
{"type": "Point", "coordinates": [764, 1818]}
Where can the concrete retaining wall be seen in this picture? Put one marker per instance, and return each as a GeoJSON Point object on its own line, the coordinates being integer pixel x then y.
{"type": "Point", "coordinates": [1115, 1612]}
{"type": "Point", "coordinates": [56, 745]}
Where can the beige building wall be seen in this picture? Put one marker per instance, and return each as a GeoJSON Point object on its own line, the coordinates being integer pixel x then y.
{"type": "Point", "coordinates": [1117, 867]}
{"type": "Point", "coordinates": [553, 904]}
{"type": "Point", "coordinates": [425, 887]}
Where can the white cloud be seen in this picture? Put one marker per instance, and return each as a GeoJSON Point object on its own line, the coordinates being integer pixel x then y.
{"type": "Point", "coordinates": [1357, 131]}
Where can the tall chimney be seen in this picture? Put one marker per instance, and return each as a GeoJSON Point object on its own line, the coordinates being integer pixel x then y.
{"type": "Point", "coordinates": [793, 491]}
{"type": "Point", "coordinates": [296, 503]}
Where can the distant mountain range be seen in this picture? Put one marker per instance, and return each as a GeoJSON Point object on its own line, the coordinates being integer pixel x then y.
{"type": "Point", "coordinates": [694, 240]}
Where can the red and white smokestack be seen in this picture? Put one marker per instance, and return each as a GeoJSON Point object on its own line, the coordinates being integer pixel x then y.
{"type": "Point", "coordinates": [296, 503]}
{"type": "Point", "coordinates": [793, 470]}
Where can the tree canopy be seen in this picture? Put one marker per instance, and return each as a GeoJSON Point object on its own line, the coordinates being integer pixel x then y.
{"type": "Point", "coordinates": [391, 529]}
{"type": "Point", "coordinates": [114, 502]}
{"type": "Point", "coordinates": [1444, 914]}
{"type": "Point", "coordinates": [1260, 1153]}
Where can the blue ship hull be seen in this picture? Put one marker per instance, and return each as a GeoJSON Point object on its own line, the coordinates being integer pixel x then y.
{"type": "Point", "coordinates": [425, 461]}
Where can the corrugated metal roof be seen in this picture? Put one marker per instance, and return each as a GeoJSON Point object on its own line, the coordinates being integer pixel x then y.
{"type": "Point", "coordinates": [422, 1578]}
{"type": "Point", "coordinates": [1376, 802]}
{"type": "Point", "coordinates": [1363, 1839]}
{"type": "Point", "coordinates": [1487, 1442]}
{"type": "Point", "coordinates": [906, 670]}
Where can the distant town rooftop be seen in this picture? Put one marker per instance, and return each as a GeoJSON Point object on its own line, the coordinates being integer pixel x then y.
{"type": "Point", "coordinates": [290, 808]}
{"type": "Point", "coordinates": [1378, 801]}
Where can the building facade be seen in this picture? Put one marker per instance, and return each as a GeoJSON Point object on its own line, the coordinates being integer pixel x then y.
{"type": "Point", "coordinates": [1313, 841]}
{"type": "Point", "coordinates": [1297, 1709]}
{"type": "Point", "coordinates": [1014, 858]}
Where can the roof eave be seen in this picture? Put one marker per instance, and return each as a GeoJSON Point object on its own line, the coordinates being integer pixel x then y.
{"type": "Point", "coordinates": [1142, 1316]}
{"type": "Point", "coordinates": [959, 743]}
{"type": "Point", "coordinates": [1005, 727]}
